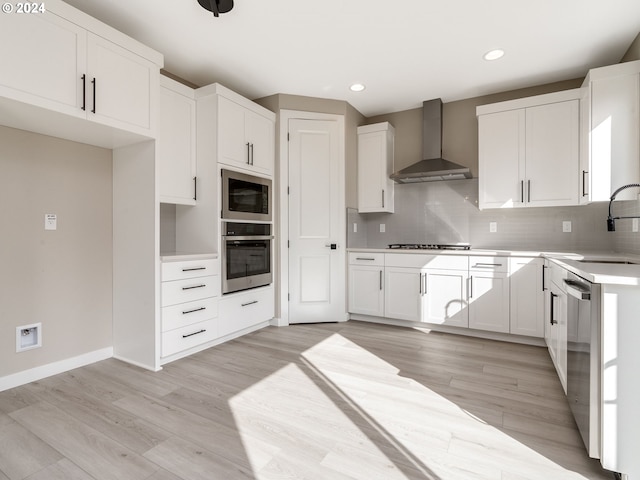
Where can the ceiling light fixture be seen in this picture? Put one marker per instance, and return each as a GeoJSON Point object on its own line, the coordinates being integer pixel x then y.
{"type": "Point", "coordinates": [493, 54]}
{"type": "Point", "coordinates": [216, 6]}
{"type": "Point", "coordinates": [357, 87]}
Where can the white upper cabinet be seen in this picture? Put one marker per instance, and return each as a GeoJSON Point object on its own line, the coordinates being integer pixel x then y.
{"type": "Point", "coordinates": [611, 130]}
{"type": "Point", "coordinates": [529, 151]}
{"type": "Point", "coordinates": [176, 144]}
{"type": "Point", "coordinates": [246, 134]}
{"type": "Point", "coordinates": [65, 62]}
{"type": "Point", "coordinates": [375, 165]}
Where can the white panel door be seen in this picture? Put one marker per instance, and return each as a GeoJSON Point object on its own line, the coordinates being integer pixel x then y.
{"type": "Point", "coordinates": [316, 223]}
{"type": "Point", "coordinates": [260, 135]}
{"type": "Point", "coordinates": [527, 297]}
{"type": "Point", "coordinates": [366, 290]}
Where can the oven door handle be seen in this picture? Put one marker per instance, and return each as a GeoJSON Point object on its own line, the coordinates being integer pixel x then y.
{"type": "Point", "coordinates": [577, 290]}
{"type": "Point", "coordinates": [247, 237]}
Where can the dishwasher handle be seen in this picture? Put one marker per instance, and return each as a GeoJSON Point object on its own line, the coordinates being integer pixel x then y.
{"type": "Point", "coordinates": [577, 289]}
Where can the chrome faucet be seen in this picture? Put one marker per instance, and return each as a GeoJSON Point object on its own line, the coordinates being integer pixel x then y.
{"type": "Point", "coordinates": [611, 221]}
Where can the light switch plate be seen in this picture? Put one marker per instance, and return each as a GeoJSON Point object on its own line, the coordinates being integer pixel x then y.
{"type": "Point", "coordinates": [493, 227]}
{"type": "Point", "coordinates": [50, 221]}
{"type": "Point", "coordinates": [355, 227]}
{"type": "Point", "coordinates": [566, 226]}
{"type": "Point", "coordinates": [382, 228]}
{"type": "Point", "coordinates": [634, 224]}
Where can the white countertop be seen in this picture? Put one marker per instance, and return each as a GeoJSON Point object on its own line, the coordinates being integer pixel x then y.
{"type": "Point", "coordinates": [184, 256]}
{"type": "Point", "coordinates": [607, 273]}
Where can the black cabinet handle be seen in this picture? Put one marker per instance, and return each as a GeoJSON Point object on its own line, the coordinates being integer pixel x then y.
{"type": "Point", "coordinates": [382, 198]}
{"type": "Point", "coordinates": [251, 154]}
{"type": "Point", "coordinates": [249, 303]}
{"type": "Point", "coordinates": [380, 279]}
{"type": "Point", "coordinates": [84, 92]}
{"type": "Point", "coordinates": [248, 154]}
{"type": "Point", "coordinates": [471, 286]}
{"type": "Point", "coordinates": [544, 269]}
{"type": "Point", "coordinates": [193, 269]}
{"type": "Point", "coordinates": [521, 191]}
{"type": "Point", "coordinates": [194, 310]}
{"type": "Point", "coordinates": [195, 188]}
{"type": "Point", "coordinates": [584, 183]}
{"type": "Point", "coordinates": [194, 333]}
{"type": "Point", "coordinates": [528, 191]}
{"type": "Point", "coordinates": [195, 286]}
{"type": "Point", "coordinates": [553, 322]}
{"type": "Point", "coordinates": [93, 82]}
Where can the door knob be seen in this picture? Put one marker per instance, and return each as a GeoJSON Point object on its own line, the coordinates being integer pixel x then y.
{"type": "Point", "coordinates": [332, 246]}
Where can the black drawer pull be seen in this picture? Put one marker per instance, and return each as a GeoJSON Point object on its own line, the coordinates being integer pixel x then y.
{"type": "Point", "coordinates": [194, 310]}
{"type": "Point", "coordinates": [365, 258]}
{"type": "Point", "coordinates": [481, 265]}
{"type": "Point", "coordinates": [193, 269]}
{"type": "Point", "coordinates": [194, 333]}
{"type": "Point", "coordinates": [195, 286]}
{"type": "Point", "coordinates": [249, 303]}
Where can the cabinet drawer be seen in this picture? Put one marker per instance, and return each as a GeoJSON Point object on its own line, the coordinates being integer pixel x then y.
{"type": "Point", "coordinates": [489, 264]}
{"type": "Point", "coordinates": [411, 260]}
{"type": "Point", "coordinates": [244, 310]}
{"type": "Point", "coordinates": [180, 339]}
{"type": "Point", "coordinates": [449, 262]}
{"type": "Point", "coordinates": [183, 314]}
{"type": "Point", "coordinates": [181, 291]}
{"type": "Point", "coordinates": [365, 258]}
{"type": "Point", "coordinates": [189, 269]}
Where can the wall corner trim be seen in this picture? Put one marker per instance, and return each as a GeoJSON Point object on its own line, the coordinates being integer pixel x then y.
{"type": "Point", "coordinates": [44, 371]}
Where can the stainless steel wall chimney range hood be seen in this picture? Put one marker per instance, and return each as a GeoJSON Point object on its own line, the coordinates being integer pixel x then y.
{"type": "Point", "coordinates": [433, 167]}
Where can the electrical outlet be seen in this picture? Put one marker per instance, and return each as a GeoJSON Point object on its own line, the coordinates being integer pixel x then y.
{"type": "Point", "coordinates": [493, 227]}
{"type": "Point", "coordinates": [355, 227]}
{"type": "Point", "coordinates": [634, 224]}
{"type": "Point", "coordinates": [382, 228]}
{"type": "Point", "coordinates": [566, 226]}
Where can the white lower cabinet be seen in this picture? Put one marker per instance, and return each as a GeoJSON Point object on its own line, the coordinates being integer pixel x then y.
{"type": "Point", "coordinates": [366, 284]}
{"type": "Point", "coordinates": [190, 292]}
{"type": "Point", "coordinates": [403, 293]}
{"type": "Point", "coordinates": [241, 311]}
{"type": "Point", "coordinates": [526, 296]}
{"type": "Point", "coordinates": [556, 335]}
{"type": "Point", "coordinates": [446, 297]}
{"type": "Point", "coordinates": [489, 294]}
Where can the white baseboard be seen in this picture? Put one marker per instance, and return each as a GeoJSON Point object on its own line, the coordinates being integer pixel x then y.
{"type": "Point", "coordinates": [44, 371]}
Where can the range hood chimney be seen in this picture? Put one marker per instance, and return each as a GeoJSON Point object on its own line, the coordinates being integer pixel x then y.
{"type": "Point", "coordinates": [433, 167]}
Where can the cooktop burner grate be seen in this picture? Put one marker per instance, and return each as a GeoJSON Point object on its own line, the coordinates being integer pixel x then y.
{"type": "Point", "coordinates": [428, 246]}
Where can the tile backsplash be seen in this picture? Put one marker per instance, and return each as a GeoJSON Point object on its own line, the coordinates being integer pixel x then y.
{"type": "Point", "coordinates": [447, 212]}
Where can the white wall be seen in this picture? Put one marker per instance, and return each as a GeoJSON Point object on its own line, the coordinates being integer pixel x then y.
{"type": "Point", "coordinates": [61, 278]}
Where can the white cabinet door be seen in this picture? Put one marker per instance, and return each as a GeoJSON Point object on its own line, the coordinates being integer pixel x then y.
{"type": "Point", "coordinates": [615, 133]}
{"type": "Point", "coordinates": [552, 154]}
{"type": "Point", "coordinates": [119, 86]}
{"type": "Point", "coordinates": [43, 58]}
{"type": "Point", "coordinates": [446, 298]}
{"type": "Point", "coordinates": [232, 148]}
{"type": "Point", "coordinates": [489, 301]}
{"type": "Point", "coordinates": [375, 165]}
{"type": "Point", "coordinates": [260, 134]}
{"type": "Point", "coordinates": [366, 290]}
{"type": "Point", "coordinates": [245, 138]}
{"type": "Point", "coordinates": [527, 297]}
{"type": "Point", "coordinates": [176, 144]}
{"type": "Point", "coordinates": [501, 150]}
{"type": "Point", "coordinates": [403, 293]}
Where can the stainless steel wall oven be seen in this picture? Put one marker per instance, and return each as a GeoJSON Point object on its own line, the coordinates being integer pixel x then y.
{"type": "Point", "coordinates": [246, 197]}
{"type": "Point", "coordinates": [246, 256]}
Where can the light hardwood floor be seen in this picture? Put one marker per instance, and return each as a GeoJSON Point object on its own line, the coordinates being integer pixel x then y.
{"type": "Point", "coordinates": [330, 401]}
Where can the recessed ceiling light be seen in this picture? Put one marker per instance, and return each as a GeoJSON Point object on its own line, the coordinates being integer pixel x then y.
{"type": "Point", "coordinates": [357, 87]}
{"type": "Point", "coordinates": [493, 54]}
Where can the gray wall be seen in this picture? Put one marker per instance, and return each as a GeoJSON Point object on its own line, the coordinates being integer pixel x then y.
{"type": "Point", "coordinates": [61, 278]}
{"type": "Point", "coordinates": [633, 53]}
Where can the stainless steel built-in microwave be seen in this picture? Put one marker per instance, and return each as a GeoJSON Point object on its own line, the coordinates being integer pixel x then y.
{"type": "Point", "coordinates": [246, 197]}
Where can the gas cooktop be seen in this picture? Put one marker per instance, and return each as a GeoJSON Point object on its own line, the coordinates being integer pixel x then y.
{"type": "Point", "coordinates": [428, 246]}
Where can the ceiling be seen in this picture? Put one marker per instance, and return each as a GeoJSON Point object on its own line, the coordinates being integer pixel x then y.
{"type": "Point", "coordinates": [404, 52]}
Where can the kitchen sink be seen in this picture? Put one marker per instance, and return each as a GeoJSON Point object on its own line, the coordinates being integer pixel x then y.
{"type": "Point", "coordinates": [611, 262]}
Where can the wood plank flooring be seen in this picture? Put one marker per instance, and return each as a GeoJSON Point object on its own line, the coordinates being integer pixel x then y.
{"type": "Point", "coordinates": [328, 401]}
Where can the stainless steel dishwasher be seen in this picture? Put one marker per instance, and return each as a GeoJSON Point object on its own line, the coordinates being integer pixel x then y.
{"type": "Point", "coordinates": [583, 358]}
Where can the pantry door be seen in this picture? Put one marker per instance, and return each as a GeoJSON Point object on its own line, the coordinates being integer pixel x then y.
{"type": "Point", "coordinates": [316, 219]}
